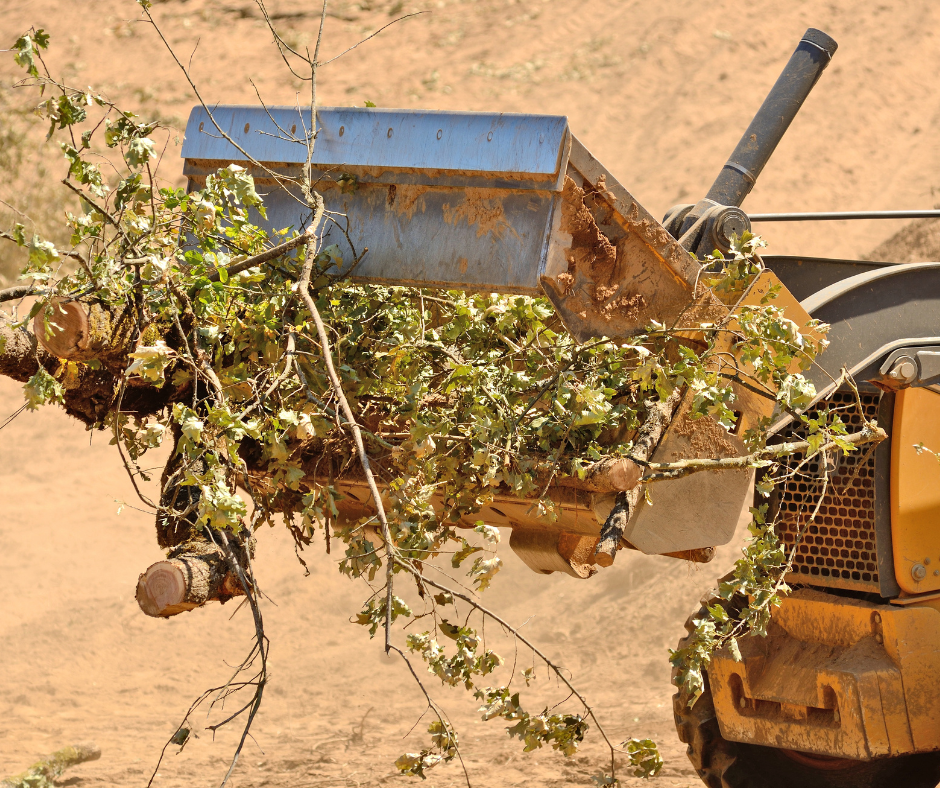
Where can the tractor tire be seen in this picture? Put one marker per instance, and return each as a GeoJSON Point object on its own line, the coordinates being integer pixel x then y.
{"type": "Point", "coordinates": [728, 764]}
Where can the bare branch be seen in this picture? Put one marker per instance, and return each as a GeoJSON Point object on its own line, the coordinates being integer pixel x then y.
{"type": "Point", "coordinates": [287, 137]}
{"type": "Point", "coordinates": [282, 44]}
{"type": "Point", "coordinates": [276, 176]}
{"type": "Point", "coordinates": [384, 27]}
{"type": "Point", "coordinates": [261, 645]}
{"type": "Point", "coordinates": [312, 135]}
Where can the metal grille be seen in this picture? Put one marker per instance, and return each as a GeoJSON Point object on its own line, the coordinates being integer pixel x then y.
{"type": "Point", "coordinates": [838, 549]}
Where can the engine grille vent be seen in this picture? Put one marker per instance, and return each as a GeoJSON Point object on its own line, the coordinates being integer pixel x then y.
{"type": "Point", "coordinates": [839, 549]}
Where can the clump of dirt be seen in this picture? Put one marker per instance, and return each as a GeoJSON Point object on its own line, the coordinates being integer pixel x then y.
{"type": "Point", "coordinates": [593, 253]}
{"type": "Point", "coordinates": [706, 308]}
{"type": "Point", "coordinates": [706, 437]}
{"type": "Point", "coordinates": [629, 307]}
{"type": "Point", "coordinates": [591, 250]}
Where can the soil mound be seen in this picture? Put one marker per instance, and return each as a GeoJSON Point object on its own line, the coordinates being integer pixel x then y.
{"type": "Point", "coordinates": [919, 242]}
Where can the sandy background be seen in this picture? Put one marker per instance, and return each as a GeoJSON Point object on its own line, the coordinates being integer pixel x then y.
{"type": "Point", "coordinates": [660, 93]}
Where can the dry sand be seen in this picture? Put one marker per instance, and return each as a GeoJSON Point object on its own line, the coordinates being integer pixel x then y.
{"type": "Point", "coordinates": [80, 662]}
{"type": "Point", "coordinates": [660, 93]}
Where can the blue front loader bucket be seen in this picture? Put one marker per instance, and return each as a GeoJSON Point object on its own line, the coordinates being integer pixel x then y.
{"type": "Point", "coordinates": [474, 201]}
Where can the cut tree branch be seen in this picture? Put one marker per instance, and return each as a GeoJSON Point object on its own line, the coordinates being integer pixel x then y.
{"type": "Point", "coordinates": [11, 237]}
{"type": "Point", "coordinates": [84, 329]}
{"type": "Point", "coordinates": [612, 474]}
{"type": "Point", "coordinates": [356, 432]}
{"type": "Point", "coordinates": [558, 671]}
{"type": "Point", "coordinates": [185, 582]}
{"type": "Point", "coordinates": [373, 35]}
{"type": "Point", "coordinates": [268, 254]}
{"type": "Point", "coordinates": [659, 416]}
{"type": "Point", "coordinates": [17, 292]}
{"type": "Point", "coordinates": [21, 354]}
{"type": "Point", "coordinates": [676, 470]}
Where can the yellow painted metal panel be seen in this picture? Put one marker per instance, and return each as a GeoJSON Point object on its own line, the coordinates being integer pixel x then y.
{"type": "Point", "coordinates": [835, 676]}
{"type": "Point", "coordinates": [915, 491]}
{"type": "Point", "coordinates": [912, 639]}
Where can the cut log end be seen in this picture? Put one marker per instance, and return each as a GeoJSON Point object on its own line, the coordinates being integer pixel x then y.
{"type": "Point", "coordinates": [605, 558]}
{"type": "Point", "coordinates": [624, 475]}
{"type": "Point", "coordinates": [69, 337]}
{"type": "Point", "coordinates": [612, 474]}
{"type": "Point", "coordinates": [162, 590]}
{"type": "Point", "coordinates": [184, 583]}
{"type": "Point", "coordinates": [83, 330]}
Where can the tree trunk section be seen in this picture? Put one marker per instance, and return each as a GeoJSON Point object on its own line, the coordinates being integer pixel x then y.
{"type": "Point", "coordinates": [186, 581]}
{"type": "Point", "coordinates": [616, 474]}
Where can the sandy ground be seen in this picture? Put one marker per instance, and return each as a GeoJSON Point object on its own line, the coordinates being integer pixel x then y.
{"type": "Point", "coordinates": [80, 662]}
{"type": "Point", "coordinates": [660, 93]}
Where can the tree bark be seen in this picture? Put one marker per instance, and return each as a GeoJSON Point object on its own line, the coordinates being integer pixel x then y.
{"type": "Point", "coordinates": [20, 353]}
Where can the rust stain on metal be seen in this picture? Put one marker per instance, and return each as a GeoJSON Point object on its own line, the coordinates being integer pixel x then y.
{"type": "Point", "coordinates": [405, 198]}
{"type": "Point", "coordinates": [483, 208]}
{"type": "Point", "coordinates": [591, 250]}
{"type": "Point", "coordinates": [602, 274]}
